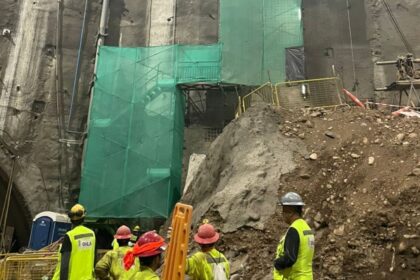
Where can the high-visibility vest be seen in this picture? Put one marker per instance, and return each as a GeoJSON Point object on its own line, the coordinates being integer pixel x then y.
{"type": "Point", "coordinates": [111, 266]}
{"type": "Point", "coordinates": [200, 265]}
{"type": "Point", "coordinates": [82, 257]}
{"type": "Point", "coordinates": [302, 269]}
{"type": "Point", "coordinates": [145, 273]}
{"type": "Point", "coordinates": [56, 275]}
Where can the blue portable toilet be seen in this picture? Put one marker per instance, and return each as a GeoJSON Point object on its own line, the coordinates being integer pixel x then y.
{"type": "Point", "coordinates": [48, 227]}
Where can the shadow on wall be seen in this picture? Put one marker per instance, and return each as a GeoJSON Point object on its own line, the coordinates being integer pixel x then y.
{"type": "Point", "coordinates": [19, 217]}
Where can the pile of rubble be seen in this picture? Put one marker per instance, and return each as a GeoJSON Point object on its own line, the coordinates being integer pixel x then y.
{"type": "Point", "coordinates": [358, 170]}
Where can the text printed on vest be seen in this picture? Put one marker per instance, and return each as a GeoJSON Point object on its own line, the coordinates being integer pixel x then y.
{"type": "Point", "coordinates": [84, 244]}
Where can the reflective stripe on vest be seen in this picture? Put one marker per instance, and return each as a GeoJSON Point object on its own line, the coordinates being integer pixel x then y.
{"type": "Point", "coordinates": [82, 257]}
{"type": "Point", "coordinates": [302, 269]}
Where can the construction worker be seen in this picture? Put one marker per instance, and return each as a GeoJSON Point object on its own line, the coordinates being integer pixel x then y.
{"type": "Point", "coordinates": [135, 235]}
{"type": "Point", "coordinates": [208, 263]}
{"type": "Point", "coordinates": [77, 252]}
{"type": "Point", "coordinates": [148, 249]}
{"type": "Point", "coordinates": [111, 266]}
{"type": "Point", "coordinates": [296, 249]}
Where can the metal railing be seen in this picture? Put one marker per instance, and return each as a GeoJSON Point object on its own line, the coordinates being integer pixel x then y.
{"type": "Point", "coordinates": [262, 94]}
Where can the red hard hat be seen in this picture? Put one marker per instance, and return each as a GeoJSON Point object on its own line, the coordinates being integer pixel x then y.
{"type": "Point", "coordinates": [149, 244]}
{"type": "Point", "coordinates": [152, 244]}
{"type": "Point", "coordinates": [123, 232]}
{"type": "Point", "coordinates": [206, 235]}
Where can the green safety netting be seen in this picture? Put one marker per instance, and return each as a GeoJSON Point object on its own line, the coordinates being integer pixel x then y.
{"type": "Point", "coordinates": [255, 35]}
{"type": "Point", "coordinates": [133, 158]}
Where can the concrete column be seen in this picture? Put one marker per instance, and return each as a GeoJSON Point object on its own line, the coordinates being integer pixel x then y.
{"type": "Point", "coordinates": [162, 22]}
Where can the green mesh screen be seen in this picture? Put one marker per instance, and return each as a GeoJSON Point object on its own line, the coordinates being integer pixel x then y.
{"type": "Point", "coordinates": [133, 157]}
{"type": "Point", "coordinates": [254, 35]}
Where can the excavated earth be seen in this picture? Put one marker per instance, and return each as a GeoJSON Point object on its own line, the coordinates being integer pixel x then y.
{"type": "Point", "coordinates": [357, 170]}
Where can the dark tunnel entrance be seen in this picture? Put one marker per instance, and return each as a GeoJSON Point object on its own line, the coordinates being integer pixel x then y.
{"type": "Point", "coordinates": [19, 218]}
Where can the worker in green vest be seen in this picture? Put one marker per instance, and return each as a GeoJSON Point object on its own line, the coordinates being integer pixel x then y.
{"type": "Point", "coordinates": [296, 249]}
{"type": "Point", "coordinates": [77, 252]}
{"type": "Point", "coordinates": [111, 266]}
{"type": "Point", "coordinates": [135, 236]}
{"type": "Point", "coordinates": [148, 250]}
{"type": "Point", "coordinates": [208, 263]}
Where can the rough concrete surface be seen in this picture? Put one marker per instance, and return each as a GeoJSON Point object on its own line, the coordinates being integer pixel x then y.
{"type": "Point", "coordinates": [327, 43]}
{"type": "Point", "coordinates": [197, 22]}
{"type": "Point", "coordinates": [28, 100]}
{"type": "Point", "coordinates": [129, 23]}
{"type": "Point", "coordinates": [162, 22]}
{"type": "Point", "coordinates": [327, 40]}
{"type": "Point", "coordinates": [385, 41]}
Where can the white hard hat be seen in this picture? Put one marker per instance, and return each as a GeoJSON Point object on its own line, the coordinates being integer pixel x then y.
{"type": "Point", "coordinates": [291, 199]}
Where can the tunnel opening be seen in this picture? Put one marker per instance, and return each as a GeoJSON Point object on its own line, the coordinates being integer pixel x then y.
{"type": "Point", "coordinates": [19, 217]}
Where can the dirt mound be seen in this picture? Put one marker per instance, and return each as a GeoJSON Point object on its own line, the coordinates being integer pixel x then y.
{"type": "Point", "coordinates": [358, 171]}
{"type": "Point", "coordinates": [238, 181]}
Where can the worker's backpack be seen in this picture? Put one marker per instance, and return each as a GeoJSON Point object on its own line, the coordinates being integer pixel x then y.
{"type": "Point", "coordinates": [219, 272]}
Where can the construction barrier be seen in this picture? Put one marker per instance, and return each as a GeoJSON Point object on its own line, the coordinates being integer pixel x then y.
{"type": "Point", "coordinates": [176, 254]}
{"type": "Point", "coordinates": [309, 93]}
{"type": "Point", "coordinates": [28, 266]}
{"type": "Point", "coordinates": [262, 94]}
{"type": "Point", "coordinates": [295, 94]}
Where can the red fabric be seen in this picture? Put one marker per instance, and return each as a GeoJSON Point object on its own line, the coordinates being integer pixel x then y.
{"type": "Point", "coordinates": [145, 250]}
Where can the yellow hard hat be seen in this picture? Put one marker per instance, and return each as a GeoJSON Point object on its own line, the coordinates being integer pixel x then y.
{"type": "Point", "coordinates": [77, 212]}
{"type": "Point", "coordinates": [136, 228]}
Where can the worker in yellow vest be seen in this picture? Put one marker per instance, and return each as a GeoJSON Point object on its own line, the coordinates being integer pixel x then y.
{"type": "Point", "coordinates": [77, 252]}
{"type": "Point", "coordinates": [148, 250]}
{"type": "Point", "coordinates": [208, 263]}
{"type": "Point", "coordinates": [135, 235]}
{"type": "Point", "coordinates": [296, 249]}
{"type": "Point", "coordinates": [111, 266]}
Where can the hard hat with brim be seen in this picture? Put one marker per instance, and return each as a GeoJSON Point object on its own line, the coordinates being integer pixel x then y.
{"type": "Point", "coordinates": [150, 244]}
{"type": "Point", "coordinates": [123, 232]}
{"type": "Point", "coordinates": [291, 199]}
{"type": "Point", "coordinates": [206, 235]}
{"type": "Point", "coordinates": [77, 212]}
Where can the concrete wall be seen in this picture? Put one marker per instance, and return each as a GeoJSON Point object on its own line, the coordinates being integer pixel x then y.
{"type": "Point", "coordinates": [197, 22]}
{"type": "Point", "coordinates": [28, 107]}
{"type": "Point", "coordinates": [386, 42]}
{"type": "Point", "coordinates": [327, 40]}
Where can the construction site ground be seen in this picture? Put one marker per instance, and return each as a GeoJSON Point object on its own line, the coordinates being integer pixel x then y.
{"type": "Point", "coordinates": [357, 170]}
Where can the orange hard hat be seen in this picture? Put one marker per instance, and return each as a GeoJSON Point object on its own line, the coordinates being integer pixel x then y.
{"type": "Point", "coordinates": [206, 235]}
{"type": "Point", "coordinates": [123, 232]}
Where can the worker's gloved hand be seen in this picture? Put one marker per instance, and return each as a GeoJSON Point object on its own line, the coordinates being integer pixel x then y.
{"type": "Point", "coordinates": [169, 233]}
{"type": "Point", "coordinates": [277, 264]}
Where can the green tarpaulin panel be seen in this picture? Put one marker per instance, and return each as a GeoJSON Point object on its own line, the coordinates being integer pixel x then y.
{"type": "Point", "coordinates": [255, 36]}
{"type": "Point", "coordinates": [133, 157]}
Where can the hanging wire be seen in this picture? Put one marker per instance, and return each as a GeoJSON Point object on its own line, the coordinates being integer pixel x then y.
{"type": "Point", "coordinates": [355, 82]}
